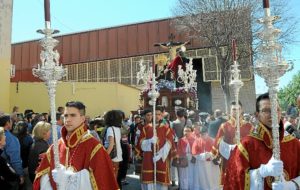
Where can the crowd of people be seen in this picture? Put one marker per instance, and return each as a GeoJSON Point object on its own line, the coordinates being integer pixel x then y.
{"type": "Point", "coordinates": [186, 152]}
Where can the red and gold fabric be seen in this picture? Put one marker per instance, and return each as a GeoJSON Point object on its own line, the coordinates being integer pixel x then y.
{"type": "Point", "coordinates": [256, 149]}
{"type": "Point", "coordinates": [137, 149]}
{"type": "Point", "coordinates": [227, 132]}
{"type": "Point", "coordinates": [80, 151]}
{"type": "Point", "coordinates": [164, 135]}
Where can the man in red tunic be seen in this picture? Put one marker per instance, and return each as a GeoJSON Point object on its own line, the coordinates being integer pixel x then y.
{"type": "Point", "coordinates": [84, 163]}
{"type": "Point", "coordinates": [164, 148]}
{"type": "Point", "coordinates": [252, 165]}
{"type": "Point", "coordinates": [225, 140]}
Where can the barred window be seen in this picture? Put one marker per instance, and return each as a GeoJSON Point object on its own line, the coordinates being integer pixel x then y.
{"type": "Point", "coordinates": [210, 69]}
{"type": "Point", "coordinates": [92, 72]}
{"type": "Point", "coordinates": [125, 70]}
{"type": "Point", "coordinates": [114, 71]}
{"type": "Point", "coordinates": [103, 71]}
{"type": "Point", "coordinates": [82, 72]}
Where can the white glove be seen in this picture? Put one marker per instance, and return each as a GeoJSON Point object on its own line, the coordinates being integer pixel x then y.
{"type": "Point", "coordinates": [60, 176]}
{"type": "Point", "coordinates": [69, 180]}
{"type": "Point", "coordinates": [283, 185]}
{"type": "Point", "coordinates": [58, 173]}
{"type": "Point", "coordinates": [153, 140]}
{"type": "Point", "coordinates": [272, 168]}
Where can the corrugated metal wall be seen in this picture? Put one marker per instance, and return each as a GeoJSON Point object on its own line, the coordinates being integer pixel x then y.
{"type": "Point", "coordinates": [104, 44]}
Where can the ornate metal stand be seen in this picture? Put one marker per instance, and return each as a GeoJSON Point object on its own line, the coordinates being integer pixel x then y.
{"type": "Point", "coordinates": [154, 94]}
{"type": "Point", "coordinates": [188, 78]}
{"type": "Point", "coordinates": [143, 75]}
{"type": "Point", "coordinates": [271, 67]}
{"type": "Point", "coordinates": [236, 85]}
{"type": "Point", "coordinates": [50, 71]}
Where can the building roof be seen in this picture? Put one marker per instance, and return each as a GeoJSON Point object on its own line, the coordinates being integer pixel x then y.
{"type": "Point", "coordinates": [101, 44]}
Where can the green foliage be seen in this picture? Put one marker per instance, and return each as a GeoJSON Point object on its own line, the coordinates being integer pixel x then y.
{"type": "Point", "coordinates": [289, 94]}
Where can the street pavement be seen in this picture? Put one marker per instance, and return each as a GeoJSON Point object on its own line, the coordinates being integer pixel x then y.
{"type": "Point", "coordinates": [134, 181]}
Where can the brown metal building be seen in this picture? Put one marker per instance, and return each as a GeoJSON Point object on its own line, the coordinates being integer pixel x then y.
{"type": "Point", "coordinates": [98, 45]}
{"type": "Point", "coordinates": [112, 55]}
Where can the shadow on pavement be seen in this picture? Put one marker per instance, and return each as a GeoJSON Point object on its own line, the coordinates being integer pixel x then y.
{"type": "Point", "coordinates": [134, 181]}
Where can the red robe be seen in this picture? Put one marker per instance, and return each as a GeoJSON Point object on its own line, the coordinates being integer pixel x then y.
{"type": "Point", "coordinates": [202, 144]}
{"type": "Point", "coordinates": [138, 150]}
{"type": "Point", "coordinates": [227, 133]}
{"type": "Point", "coordinates": [256, 149]}
{"type": "Point", "coordinates": [80, 151]}
{"type": "Point", "coordinates": [182, 144]}
{"type": "Point", "coordinates": [164, 135]}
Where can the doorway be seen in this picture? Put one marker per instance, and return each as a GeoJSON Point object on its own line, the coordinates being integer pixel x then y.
{"type": "Point", "coordinates": [203, 88]}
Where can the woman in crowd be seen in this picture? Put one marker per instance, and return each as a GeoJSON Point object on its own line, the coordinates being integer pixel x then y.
{"type": "Point", "coordinates": [93, 125]}
{"type": "Point", "coordinates": [113, 121]}
{"type": "Point", "coordinates": [25, 142]}
{"type": "Point", "coordinates": [123, 166]}
{"type": "Point", "coordinates": [41, 133]}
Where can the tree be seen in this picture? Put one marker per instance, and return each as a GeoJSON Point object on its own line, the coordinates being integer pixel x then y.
{"type": "Point", "coordinates": [288, 95]}
{"type": "Point", "coordinates": [217, 22]}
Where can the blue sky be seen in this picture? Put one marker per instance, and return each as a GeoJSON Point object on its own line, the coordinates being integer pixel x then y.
{"type": "Point", "coordinates": [70, 16]}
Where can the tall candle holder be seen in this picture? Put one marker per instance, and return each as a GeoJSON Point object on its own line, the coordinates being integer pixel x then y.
{"type": "Point", "coordinates": [50, 71]}
{"type": "Point", "coordinates": [147, 76]}
{"type": "Point", "coordinates": [270, 66]}
{"type": "Point", "coordinates": [143, 75]}
{"type": "Point", "coordinates": [188, 79]}
{"type": "Point", "coordinates": [154, 94]}
{"type": "Point", "coordinates": [236, 84]}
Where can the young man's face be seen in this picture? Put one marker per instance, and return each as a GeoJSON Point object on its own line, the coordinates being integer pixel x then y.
{"type": "Point", "coordinates": [137, 120]}
{"type": "Point", "coordinates": [148, 117]}
{"type": "Point", "coordinates": [187, 132]}
{"type": "Point", "coordinates": [264, 114]}
{"type": "Point", "coordinates": [159, 115]}
{"type": "Point", "coordinates": [197, 129]}
{"type": "Point", "coordinates": [72, 119]}
{"type": "Point", "coordinates": [234, 109]}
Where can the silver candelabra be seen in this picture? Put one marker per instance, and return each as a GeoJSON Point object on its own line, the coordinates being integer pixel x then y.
{"type": "Point", "coordinates": [147, 76]}
{"type": "Point", "coordinates": [236, 84]}
{"type": "Point", "coordinates": [50, 71]}
{"type": "Point", "coordinates": [154, 94]}
{"type": "Point", "coordinates": [188, 78]}
{"type": "Point", "coordinates": [143, 74]}
{"type": "Point", "coordinates": [271, 67]}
